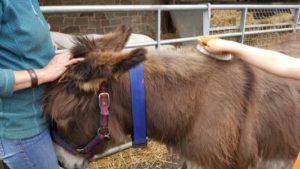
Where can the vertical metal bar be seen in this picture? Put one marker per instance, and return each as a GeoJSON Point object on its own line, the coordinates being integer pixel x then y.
{"type": "Point", "coordinates": [296, 19]}
{"type": "Point", "coordinates": [243, 24]}
{"type": "Point", "coordinates": [206, 20]}
{"type": "Point", "coordinates": [158, 27]}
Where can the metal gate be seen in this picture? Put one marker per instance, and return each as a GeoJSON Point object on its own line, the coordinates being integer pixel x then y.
{"type": "Point", "coordinates": [240, 29]}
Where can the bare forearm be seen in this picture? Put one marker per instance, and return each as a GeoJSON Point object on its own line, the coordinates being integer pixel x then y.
{"type": "Point", "coordinates": [268, 60]}
{"type": "Point", "coordinates": [23, 80]}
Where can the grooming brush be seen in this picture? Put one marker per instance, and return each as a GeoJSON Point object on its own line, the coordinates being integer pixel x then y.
{"type": "Point", "coordinates": [200, 47]}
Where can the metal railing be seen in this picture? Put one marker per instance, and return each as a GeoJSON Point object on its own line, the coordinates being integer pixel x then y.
{"type": "Point", "coordinates": [206, 8]}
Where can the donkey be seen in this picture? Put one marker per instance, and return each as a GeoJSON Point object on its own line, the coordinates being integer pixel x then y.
{"type": "Point", "coordinates": [215, 114]}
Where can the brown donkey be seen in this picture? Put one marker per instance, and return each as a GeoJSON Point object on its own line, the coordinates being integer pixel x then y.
{"type": "Point", "coordinates": [217, 115]}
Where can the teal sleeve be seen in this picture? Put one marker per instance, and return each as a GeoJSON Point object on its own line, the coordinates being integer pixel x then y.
{"type": "Point", "coordinates": [7, 82]}
{"type": "Point", "coordinates": [7, 76]}
{"type": "Point", "coordinates": [1, 12]}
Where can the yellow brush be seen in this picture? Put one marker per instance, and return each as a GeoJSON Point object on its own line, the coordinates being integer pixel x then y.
{"type": "Point", "coordinates": [297, 163]}
{"type": "Point", "coordinates": [203, 42]}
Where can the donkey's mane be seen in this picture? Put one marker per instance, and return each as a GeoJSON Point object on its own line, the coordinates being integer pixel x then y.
{"type": "Point", "coordinates": [83, 46]}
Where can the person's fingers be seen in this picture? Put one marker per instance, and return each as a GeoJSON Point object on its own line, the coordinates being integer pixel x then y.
{"type": "Point", "coordinates": [74, 61]}
{"type": "Point", "coordinates": [213, 42]}
{"type": "Point", "coordinates": [206, 48]}
{"type": "Point", "coordinates": [205, 39]}
{"type": "Point", "coordinates": [213, 45]}
{"type": "Point", "coordinates": [68, 55]}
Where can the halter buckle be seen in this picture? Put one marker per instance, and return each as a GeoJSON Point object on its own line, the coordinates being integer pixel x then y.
{"type": "Point", "coordinates": [107, 97]}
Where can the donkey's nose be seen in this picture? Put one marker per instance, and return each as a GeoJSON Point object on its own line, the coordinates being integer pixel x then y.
{"type": "Point", "coordinates": [81, 164]}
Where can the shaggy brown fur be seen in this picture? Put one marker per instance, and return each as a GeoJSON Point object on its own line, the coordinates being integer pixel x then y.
{"type": "Point", "coordinates": [219, 115]}
{"type": "Point", "coordinates": [288, 44]}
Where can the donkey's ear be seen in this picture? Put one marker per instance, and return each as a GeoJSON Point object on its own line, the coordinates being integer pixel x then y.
{"type": "Point", "coordinates": [116, 40]}
{"type": "Point", "coordinates": [130, 60]}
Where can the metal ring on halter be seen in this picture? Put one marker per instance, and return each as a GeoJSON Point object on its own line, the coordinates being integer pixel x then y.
{"type": "Point", "coordinates": [105, 132]}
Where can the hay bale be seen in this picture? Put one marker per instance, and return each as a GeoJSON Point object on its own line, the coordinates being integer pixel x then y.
{"type": "Point", "coordinates": [222, 18]}
{"type": "Point", "coordinates": [233, 18]}
{"type": "Point", "coordinates": [225, 18]}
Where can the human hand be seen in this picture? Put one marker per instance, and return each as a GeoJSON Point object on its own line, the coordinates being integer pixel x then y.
{"type": "Point", "coordinates": [58, 65]}
{"type": "Point", "coordinates": [204, 39]}
{"type": "Point", "coordinates": [216, 45]}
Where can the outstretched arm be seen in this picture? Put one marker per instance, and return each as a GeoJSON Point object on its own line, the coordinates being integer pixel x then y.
{"type": "Point", "coordinates": [268, 60]}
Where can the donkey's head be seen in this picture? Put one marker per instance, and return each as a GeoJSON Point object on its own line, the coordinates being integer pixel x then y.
{"type": "Point", "coordinates": [103, 58]}
{"type": "Point", "coordinates": [72, 101]}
